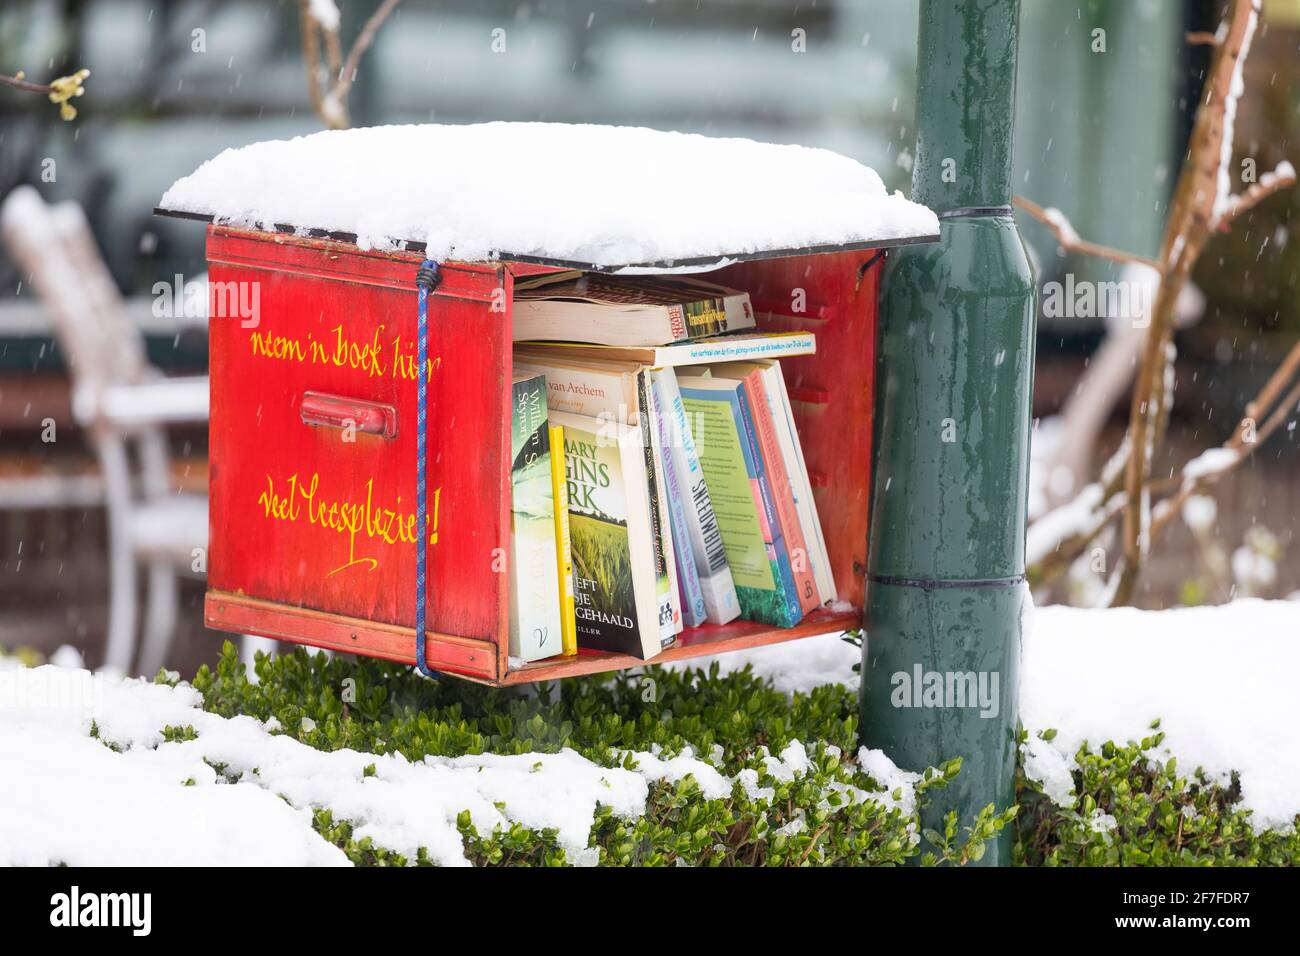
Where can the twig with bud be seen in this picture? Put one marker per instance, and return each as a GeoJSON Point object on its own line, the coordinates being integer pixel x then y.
{"type": "Point", "coordinates": [59, 91]}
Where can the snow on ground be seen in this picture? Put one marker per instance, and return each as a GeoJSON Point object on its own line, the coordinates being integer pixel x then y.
{"type": "Point", "coordinates": [600, 194]}
{"type": "Point", "coordinates": [66, 797]}
{"type": "Point", "coordinates": [1220, 679]}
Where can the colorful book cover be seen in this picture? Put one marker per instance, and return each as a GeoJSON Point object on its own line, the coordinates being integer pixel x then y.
{"type": "Point", "coordinates": [705, 537]}
{"type": "Point", "coordinates": [690, 597]}
{"type": "Point", "coordinates": [773, 465]}
{"type": "Point", "coordinates": [535, 628]}
{"type": "Point", "coordinates": [563, 547]}
{"type": "Point", "coordinates": [615, 585]}
{"type": "Point", "coordinates": [759, 563]}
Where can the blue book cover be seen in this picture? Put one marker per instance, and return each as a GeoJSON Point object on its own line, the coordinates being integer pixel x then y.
{"type": "Point", "coordinates": [754, 462]}
{"type": "Point", "coordinates": [688, 577]}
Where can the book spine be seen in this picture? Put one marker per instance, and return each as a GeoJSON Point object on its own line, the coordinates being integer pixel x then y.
{"type": "Point", "coordinates": [535, 626]}
{"type": "Point", "coordinates": [669, 613]}
{"type": "Point", "coordinates": [745, 349]}
{"type": "Point", "coordinates": [563, 542]}
{"type": "Point", "coordinates": [706, 545]}
{"type": "Point", "coordinates": [767, 508]}
{"type": "Point", "coordinates": [774, 466]}
{"type": "Point", "coordinates": [691, 597]}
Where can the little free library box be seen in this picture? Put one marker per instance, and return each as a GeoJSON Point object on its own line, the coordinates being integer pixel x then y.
{"type": "Point", "coordinates": [314, 395]}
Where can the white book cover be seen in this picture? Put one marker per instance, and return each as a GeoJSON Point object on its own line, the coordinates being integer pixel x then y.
{"type": "Point", "coordinates": [720, 600]}
{"type": "Point", "coordinates": [595, 389]}
{"type": "Point", "coordinates": [670, 605]}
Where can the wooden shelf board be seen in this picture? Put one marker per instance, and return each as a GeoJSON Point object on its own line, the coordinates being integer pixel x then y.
{"type": "Point", "coordinates": [693, 642]}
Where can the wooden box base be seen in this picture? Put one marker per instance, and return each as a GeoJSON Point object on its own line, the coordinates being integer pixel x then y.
{"type": "Point", "coordinates": [477, 660]}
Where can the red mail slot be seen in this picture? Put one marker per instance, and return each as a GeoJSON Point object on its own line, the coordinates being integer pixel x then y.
{"type": "Point", "coordinates": [313, 448]}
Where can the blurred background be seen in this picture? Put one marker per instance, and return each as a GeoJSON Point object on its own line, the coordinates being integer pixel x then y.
{"type": "Point", "coordinates": [1100, 135]}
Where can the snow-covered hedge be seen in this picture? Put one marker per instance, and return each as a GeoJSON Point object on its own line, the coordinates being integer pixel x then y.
{"type": "Point", "coordinates": [690, 767]}
{"type": "Point", "coordinates": [752, 761]}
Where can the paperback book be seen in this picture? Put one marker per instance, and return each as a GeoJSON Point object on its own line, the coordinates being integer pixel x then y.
{"type": "Point", "coordinates": [703, 534]}
{"type": "Point", "coordinates": [535, 626]}
{"type": "Point", "coordinates": [563, 546]}
{"type": "Point", "coordinates": [761, 406]}
{"type": "Point", "coordinates": [742, 499]}
{"type": "Point", "coordinates": [723, 348]}
{"type": "Point", "coordinates": [617, 587]}
{"type": "Point", "coordinates": [690, 597]}
{"type": "Point", "coordinates": [623, 310]}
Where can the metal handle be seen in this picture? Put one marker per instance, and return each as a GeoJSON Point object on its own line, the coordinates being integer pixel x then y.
{"type": "Point", "coordinates": [335, 411]}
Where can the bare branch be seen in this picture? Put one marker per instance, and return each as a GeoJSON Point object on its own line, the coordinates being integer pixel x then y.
{"type": "Point", "coordinates": [308, 27]}
{"type": "Point", "coordinates": [18, 83]}
{"type": "Point", "coordinates": [363, 41]}
{"type": "Point", "coordinates": [1069, 240]}
{"type": "Point", "coordinates": [1196, 204]}
{"type": "Point", "coordinates": [1270, 183]}
{"type": "Point", "coordinates": [331, 101]}
{"type": "Point", "coordinates": [1170, 506]}
{"type": "Point", "coordinates": [1201, 38]}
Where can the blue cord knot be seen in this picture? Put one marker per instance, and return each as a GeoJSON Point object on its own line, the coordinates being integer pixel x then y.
{"type": "Point", "coordinates": [427, 278]}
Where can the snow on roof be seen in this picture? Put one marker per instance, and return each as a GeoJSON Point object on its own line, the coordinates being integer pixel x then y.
{"type": "Point", "coordinates": [572, 194]}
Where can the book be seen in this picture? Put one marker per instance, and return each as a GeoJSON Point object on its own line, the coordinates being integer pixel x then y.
{"type": "Point", "coordinates": [615, 581]}
{"type": "Point", "coordinates": [613, 392]}
{"type": "Point", "coordinates": [594, 388]}
{"type": "Point", "coordinates": [670, 610]}
{"type": "Point", "coordinates": [690, 597]}
{"type": "Point", "coordinates": [535, 628]}
{"type": "Point", "coordinates": [563, 546]}
{"type": "Point", "coordinates": [800, 484]}
{"type": "Point", "coordinates": [733, 468]}
{"type": "Point", "coordinates": [705, 537]}
{"type": "Point", "coordinates": [627, 310]}
{"type": "Point", "coordinates": [724, 348]}
{"type": "Point", "coordinates": [778, 479]}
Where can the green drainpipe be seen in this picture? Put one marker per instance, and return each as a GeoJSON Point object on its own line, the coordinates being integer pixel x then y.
{"type": "Point", "coordinates": [946, 590]}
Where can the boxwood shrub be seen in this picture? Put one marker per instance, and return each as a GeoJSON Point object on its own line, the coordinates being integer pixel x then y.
{"type": "Point", "coordinates": [1132, 808]}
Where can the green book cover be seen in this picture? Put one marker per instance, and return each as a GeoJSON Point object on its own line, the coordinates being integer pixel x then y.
{"type": "Point", "coordinates": [614, 581]}
{"type": "Point", "coordinates": [535, 629]}
{"type": "Point", "coordinates": [754, 566]}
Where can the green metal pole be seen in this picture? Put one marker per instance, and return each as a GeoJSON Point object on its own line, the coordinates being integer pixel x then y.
{"type": "Point", "coordinates": [946, 568]}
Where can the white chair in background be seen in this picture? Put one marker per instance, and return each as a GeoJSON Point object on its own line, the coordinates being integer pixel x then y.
{"type": "Point", "coordinates": [125, 405]}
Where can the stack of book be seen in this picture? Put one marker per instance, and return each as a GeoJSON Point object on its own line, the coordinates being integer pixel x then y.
{"type": "Point", "coordinates": [659, 483]}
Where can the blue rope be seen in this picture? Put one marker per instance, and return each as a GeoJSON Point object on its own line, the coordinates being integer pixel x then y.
{"type": "Point", "coordinates": [426, 280]}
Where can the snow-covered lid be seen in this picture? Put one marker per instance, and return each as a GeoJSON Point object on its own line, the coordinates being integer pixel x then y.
{"type": "Point", "coordinates": [595, 197]}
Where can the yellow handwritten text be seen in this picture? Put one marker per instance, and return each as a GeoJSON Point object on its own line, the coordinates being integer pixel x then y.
{"type": "Point", "coordinates": [363, 522]}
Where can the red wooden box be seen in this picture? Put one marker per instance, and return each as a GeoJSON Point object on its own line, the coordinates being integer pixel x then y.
{"type": "Point", "coordinates": [312, 523]}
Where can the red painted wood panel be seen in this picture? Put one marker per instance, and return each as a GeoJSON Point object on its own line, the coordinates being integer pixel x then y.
{"type": "Point", "coordinates": [831, 391]}
{"type": "Point", "coordinates": [300, 516]}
